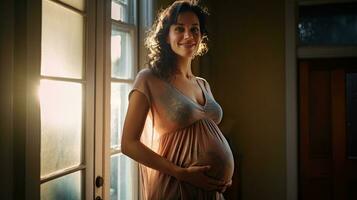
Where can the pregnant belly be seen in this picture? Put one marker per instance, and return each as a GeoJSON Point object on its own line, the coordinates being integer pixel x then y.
{"type": "Point", "coordinates": [217, 154]}
{"type": "Point", "coordinates": [202, 143]}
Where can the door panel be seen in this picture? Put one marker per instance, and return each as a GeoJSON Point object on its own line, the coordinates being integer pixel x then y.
{"type": "Point", "coordinates": [325, 170]}
{"type": "Point", "coordinates": [316, 171]}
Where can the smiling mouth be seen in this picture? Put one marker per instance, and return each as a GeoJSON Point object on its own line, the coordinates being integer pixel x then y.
{"type": "Point", "coordinates": [188, 45]}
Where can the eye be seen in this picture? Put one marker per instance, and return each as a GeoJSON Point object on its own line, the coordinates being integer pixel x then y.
{"type": "Point", "coordinates": [195, 30]}
{"type": "Point", "coordinates": [179, 29]}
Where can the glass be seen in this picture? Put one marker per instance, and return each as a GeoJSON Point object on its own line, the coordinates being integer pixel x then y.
{"type": "Point", "coordinates": [79, 4]}
{"type": "Point", "coordinates": [119, 106]}
{"type": "Point", "coordinates": [68, 187]}
{"type": "Point", "coordinates": [61, 125]}
{"type": "Point", "coordinates": [62, 41]}
{"type": "Point", "coordinates": [351, 108]}
{"type": "Point", "coordinates": [120, 10]}
{"type": "Point", "coordinates": [331, 24]}
{"type": "Point", "coordinates": [121, 177]}
{"type": "Point", "coordinates": [121, 54]}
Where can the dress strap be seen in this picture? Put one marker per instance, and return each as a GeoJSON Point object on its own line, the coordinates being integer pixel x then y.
{"type": "Point", "coordinates": [203, 88]}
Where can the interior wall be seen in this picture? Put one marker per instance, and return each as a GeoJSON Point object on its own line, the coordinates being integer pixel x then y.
{"type": "Point", "coordinates": [16, 176]}
{"type": "Point", "coordinates": [6, 73]}
{"type": "Point", "coordinates": [291, 101]}
{"type": "Point", "coordinates": [247, 74]}
{"type": "Point", "coordinates": [246, 70]}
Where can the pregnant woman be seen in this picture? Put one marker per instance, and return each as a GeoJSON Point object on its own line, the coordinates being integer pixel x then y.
{"type": "Point", "coordinates": [171, 123]}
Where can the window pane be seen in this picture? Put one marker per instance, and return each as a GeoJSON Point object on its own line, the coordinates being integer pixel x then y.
{"type": "Point", "coordinates": [79, 4]}
{"type": "Point", "coordinates": [351, 108]}
{"type": "Point", "coordinates": [120, 10]}
{"type": "Point", "coordinates": [68, 187]}
{"type": "Point", "coordinates": [62, 41]}
{"type": "Point", "coordinates": [334, 24]}
{"type": "Point", "coordinates": [119, 105]}
{"type": "Point", "coordinates": [61, 125]}
{"type": "Point", "coordinates": [121, 54]}
{"type": "Point", "coordinates": [121, 177]}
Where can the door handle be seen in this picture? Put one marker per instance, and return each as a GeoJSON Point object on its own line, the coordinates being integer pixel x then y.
{"type": "Point", "coordinates": [99, 181]}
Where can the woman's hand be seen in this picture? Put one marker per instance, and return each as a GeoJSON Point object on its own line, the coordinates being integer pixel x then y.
{"type": "Point", "coordinates": [196, 176]}
{"type": "Point", "coordinates": [227, 185]}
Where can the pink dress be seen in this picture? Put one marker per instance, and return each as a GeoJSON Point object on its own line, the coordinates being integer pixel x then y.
{"type": "Point", "coordinates": [185, 133]}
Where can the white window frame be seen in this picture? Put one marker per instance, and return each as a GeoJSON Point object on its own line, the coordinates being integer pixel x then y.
{"type": "Point", "coordinates": [143, 16]}
{"type": "Point", "coordinates": [132, 29]}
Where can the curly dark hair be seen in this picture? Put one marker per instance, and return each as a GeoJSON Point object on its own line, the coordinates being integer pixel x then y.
{"type": "Point", "coordinates": [162, 60]}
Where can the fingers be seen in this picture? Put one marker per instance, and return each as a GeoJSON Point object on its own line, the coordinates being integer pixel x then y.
{"type": "Point", "coordinates": [229, 183]}
{"type": "Point", "coordinates": [220, 186]}
{"type": "Point", "coordinates": [196, 175]}
{"type": "Point", "coordinates": [209, 183]}
{"type": "Point", "coordinates": [203, 168]}
{"type": "Point", "coordinates": [223, 189]}
{"type": "Point", "coordinates": [216, 182]}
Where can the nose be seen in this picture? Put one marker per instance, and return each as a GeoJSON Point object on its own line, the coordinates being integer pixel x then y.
{"type": "Point", "coordinates": [187, 34]}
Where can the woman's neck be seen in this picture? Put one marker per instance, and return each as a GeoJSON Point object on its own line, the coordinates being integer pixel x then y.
{"type": "Point", "coordinates": [184, 68]}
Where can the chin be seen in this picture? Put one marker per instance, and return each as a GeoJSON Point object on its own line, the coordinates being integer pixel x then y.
{"type": "Point", "coordinates": [187, 55]}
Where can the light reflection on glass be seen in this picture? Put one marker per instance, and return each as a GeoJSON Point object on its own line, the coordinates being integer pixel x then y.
{"type": "Point", "coordinates": [119, 105]}
{"type": "Point", "coordinates": [61, 125]}
{"type": "Point", "coordinates": [67, 187]}
{"type": "Point", "coordinates": [121, 177]}
{"type": "Point", "coordinates": [119, 11]}
{"type": "Point", "coordinates": [62, 42]}
{"type": "Point", "coordinates": [121, 54]}
{"type": "Point", "coordinates": [116, 48]}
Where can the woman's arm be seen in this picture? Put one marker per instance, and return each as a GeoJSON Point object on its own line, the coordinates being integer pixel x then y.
{"type": "Point", "coordinates": [133, 127]}
{"type": "Point", "coordinates": [132, 147]}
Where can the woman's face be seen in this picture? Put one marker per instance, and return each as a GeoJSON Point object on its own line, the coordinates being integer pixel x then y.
{"type": "Point", "coordinates": [185, 36]}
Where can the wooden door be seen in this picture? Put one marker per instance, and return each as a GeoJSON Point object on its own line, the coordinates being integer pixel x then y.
{"type": "Point", "coordinates": [328, 129]}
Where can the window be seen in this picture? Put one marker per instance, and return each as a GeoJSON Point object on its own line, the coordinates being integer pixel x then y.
{"type": "Point", "coordinates": [66, 163]}
{"type": "Point", "coordinates": [89, 60]}
{"type": "Point", "coordinates": [330, 24]}
{"type": "Point", "coordinates": [123, 170]}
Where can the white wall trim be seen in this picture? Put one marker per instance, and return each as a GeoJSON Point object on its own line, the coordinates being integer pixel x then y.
{"type": "Point", "coordinates": [32, 60]}
{"type": "Point", "coordinates": [327, 52]}
{"type": "Point", "coordinates": [291, 101]}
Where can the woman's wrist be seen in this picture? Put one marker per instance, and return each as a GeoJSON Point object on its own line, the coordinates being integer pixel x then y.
{"type": "Point", "coordinates": [178, 172]}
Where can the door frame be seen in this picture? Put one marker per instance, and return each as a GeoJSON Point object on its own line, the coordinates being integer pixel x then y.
{"type": "Point", "coordinates": [292, 54]}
